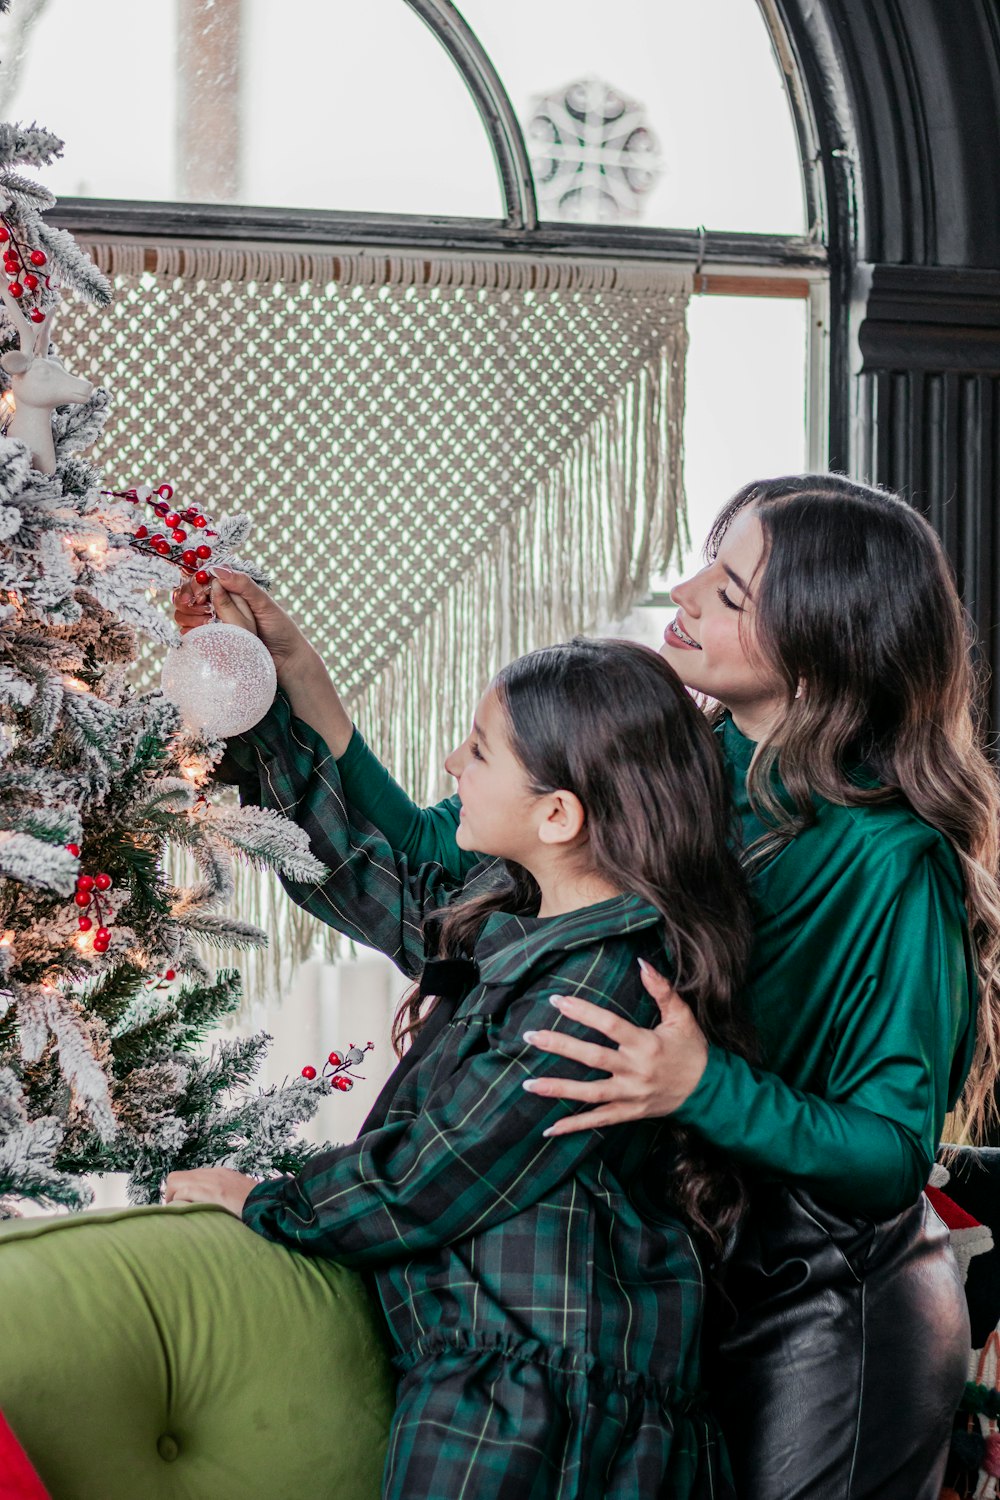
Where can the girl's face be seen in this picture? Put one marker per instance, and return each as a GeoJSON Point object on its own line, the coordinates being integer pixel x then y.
{"type": "Point", "coordinates": [500, 813]}
{"type": "Point", "coordinates": [711, 642]}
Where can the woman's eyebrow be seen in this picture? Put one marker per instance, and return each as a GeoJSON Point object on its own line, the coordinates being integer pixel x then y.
{"type": "Point", "coordinates": [477, 728]}
{"type": "Point", "coordinates": [737, 580]}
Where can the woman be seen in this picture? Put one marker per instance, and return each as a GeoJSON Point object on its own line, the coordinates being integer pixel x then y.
{"type": "Point", "coordinates": [827, 626]}
{"type": "Point", "coordinates": [543, 1293]}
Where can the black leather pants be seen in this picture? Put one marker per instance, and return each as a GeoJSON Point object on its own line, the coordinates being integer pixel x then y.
{"type": "Point", "coordinates": [841, 1352]}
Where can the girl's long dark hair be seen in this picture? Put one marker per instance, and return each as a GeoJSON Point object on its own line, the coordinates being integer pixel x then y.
{"type": "Point", "coordinates": [609, 721]}
{"type": "Point", "coordinates": [855, 601]}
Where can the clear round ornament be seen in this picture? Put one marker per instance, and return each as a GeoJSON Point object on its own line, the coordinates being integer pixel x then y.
{"type": "Point", "coordinates": [222, 679]}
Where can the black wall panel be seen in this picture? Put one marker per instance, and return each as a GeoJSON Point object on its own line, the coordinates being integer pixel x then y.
{"type": "Point", "coordinates": [905, 98]}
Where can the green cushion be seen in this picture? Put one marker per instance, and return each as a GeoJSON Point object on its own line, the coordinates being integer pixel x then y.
{"type": "Point", "coordinates": [172, 1354]}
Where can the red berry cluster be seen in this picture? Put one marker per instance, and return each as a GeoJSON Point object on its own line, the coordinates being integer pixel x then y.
{"type": "Point", "coordinates": [335, 1069]}
{"type": "Point", "coordinates": [162, 981]}
{"type": "Point", "coordinates": [89, 890]}
{"type": "Point", "coordinates": [190, 560]}
{"type": "Point", "coordinates": [20, 263]}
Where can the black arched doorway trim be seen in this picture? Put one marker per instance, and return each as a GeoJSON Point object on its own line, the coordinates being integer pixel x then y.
{"type": "Point", "coordinates": [493, 103]}
{"type": "Point", "coordinates": [904, 97]}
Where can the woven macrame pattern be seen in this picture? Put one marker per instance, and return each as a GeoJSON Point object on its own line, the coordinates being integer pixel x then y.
{"type": "Point", "coordinates": [449, 462]}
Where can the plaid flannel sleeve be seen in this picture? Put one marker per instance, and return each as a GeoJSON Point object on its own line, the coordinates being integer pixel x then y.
{"type": "Point", "coordinates": [475, 1156]}
{"type": "Point", "coordinates": [372, 894]}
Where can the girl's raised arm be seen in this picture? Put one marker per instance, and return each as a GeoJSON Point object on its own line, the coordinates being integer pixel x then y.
{"type": "Point", "coordinates": [425, 835]}
{"type": "Point", "coordinates": [421, 833]}
{"type": "Point", "coordinates": [373, 894]}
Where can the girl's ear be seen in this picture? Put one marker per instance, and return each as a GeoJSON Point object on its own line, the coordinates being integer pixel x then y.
{"type": "Point", "coordinates": [563, 818]}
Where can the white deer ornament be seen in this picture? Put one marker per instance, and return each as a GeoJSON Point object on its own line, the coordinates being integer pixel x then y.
{"type": "Point", "coordinates": [40, 383]}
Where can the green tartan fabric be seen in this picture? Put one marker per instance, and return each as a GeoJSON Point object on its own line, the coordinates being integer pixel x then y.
{"type": "Point", "coordinates": [544, 1298]}
{"type": "Point", "coordinates": [505, 1426]}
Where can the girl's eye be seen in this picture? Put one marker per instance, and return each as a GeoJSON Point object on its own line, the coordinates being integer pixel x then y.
{"type": "Point", "coordinates": [728, 602]}
{"type": "Point", "coordinates": [474, 750]}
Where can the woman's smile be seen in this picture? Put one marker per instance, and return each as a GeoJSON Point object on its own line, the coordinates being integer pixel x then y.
{"type": "Point", "coordinates": [677, 638]}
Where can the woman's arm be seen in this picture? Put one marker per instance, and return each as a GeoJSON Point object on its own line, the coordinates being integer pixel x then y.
{"type": "Point", "coordinates": [475, 1156]}
{"type": "Point", "coordinates": [867, 1143]}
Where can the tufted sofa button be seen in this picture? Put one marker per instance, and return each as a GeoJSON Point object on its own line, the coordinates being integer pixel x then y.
{"type": "Point", "coordinates": [168, 1447]}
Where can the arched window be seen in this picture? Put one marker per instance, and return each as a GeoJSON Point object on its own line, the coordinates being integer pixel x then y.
{"type": "Point", "coordinates": [304, 105]}
{"type": "Point", "coordinates": [356, 108]}
{"type": "Point", "coordinates": [653, 112]}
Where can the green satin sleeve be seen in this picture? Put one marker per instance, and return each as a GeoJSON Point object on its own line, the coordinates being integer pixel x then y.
{"type": "Point", "coordinates": [870, 1025]}
{"type": "Point", "coordinates": [424, 835]}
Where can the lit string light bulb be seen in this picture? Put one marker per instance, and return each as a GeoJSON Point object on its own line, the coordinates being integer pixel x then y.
{"type": "Point", "coordinates": [195, 769]}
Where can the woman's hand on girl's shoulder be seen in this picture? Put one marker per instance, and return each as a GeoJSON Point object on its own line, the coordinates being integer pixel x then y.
{"type": "Point", "coordinates": [650, 1071]}
{"type": "Point", "coordinates": [219, 1185]}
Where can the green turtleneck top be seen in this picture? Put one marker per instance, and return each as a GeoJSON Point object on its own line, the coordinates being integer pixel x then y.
{"type": "Point", "coordinates": [861, 987]}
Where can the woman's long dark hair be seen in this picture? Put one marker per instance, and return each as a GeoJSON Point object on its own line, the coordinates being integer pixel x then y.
{"type": "Point", "coordinates": [609, 721]}
{"type": "Point", "coordinates": [855, 601]}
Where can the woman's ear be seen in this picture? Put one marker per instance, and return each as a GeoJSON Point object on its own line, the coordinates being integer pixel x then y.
{"type": "Point", "coordinates": [563, 818]}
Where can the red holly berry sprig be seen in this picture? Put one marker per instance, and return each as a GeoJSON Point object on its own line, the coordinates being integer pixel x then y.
{"type": "Point", "coordinates": [21, 264]}
{"type": "Point", "coordinates": [192, 561]}
{"type": "Point", "coordinates": [336, 1070]}
{"type": "Point", "coordinates": [90, 889]}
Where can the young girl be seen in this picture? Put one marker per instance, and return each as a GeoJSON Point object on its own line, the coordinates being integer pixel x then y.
{"type": "Point", "coordinates": [543, 1292]}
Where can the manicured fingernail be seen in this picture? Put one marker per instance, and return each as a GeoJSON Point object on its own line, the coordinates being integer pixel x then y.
{"type": "Point", "coordinates": [644, 966]}
{"type": "Point", "coordinates": [558, 1001]}
{"type": "Point", "coordinates": [529, 1084]}
{"type": "Point", "coordinates": [530, 1037]}
{"type": "Point", "coordinates": [551, 1131]}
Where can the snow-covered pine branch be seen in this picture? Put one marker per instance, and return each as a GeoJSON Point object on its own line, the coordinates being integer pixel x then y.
{"type": "Point", "coordinates": [27, 1151]}
{"type": "Point", "coordinates": [75, 269]}
{"type": "Point", "coordinates": [225, 932]}
{"type": "Point", "coordinates": [45, 1012]}
{"type": "Point", "coordinates": [28, 145]}
{"type": "Point", "coordinates": [267, 840]}
{"type": "Point", "coordinates": [75, 428]}
{"type": "Point", "coordinates": [34, 863]}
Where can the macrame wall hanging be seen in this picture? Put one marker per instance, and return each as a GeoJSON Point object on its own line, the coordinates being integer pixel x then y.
{"type": "Point", "coordinates": [448, 461]}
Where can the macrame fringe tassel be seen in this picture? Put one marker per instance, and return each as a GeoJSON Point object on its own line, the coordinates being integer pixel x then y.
{"type": "Point", "coordinates": [579, 551]}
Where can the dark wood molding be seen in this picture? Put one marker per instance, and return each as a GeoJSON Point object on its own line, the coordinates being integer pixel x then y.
{"type": "Point", "coordinates": [101, 218]}
{"type": "Point", "coordinates": [928, 419]}
{"type": "Point", "coordinates": [931, 318]}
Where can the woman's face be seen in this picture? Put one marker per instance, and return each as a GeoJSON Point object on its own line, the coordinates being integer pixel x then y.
{"type": "Point", "coordinates": [711, 642]}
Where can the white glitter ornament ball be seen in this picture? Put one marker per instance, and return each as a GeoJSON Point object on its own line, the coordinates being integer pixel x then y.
{"type": "Point", "coordinates": [222, 679]}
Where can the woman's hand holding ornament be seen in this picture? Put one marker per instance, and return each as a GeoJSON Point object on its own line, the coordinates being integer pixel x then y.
{"type": "Point", "coordinates": [651, 1072]}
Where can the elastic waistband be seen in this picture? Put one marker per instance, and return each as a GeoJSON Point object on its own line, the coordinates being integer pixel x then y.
{"type": "Point", "coordinates": [472, 1343]}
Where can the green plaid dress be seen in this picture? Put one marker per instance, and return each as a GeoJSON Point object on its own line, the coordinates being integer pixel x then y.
{"type": "Point", "coordinates": [543, 1297]}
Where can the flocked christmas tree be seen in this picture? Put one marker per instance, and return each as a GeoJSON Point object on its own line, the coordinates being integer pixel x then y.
{"type": "Point", "coordinates": [104, 1000]}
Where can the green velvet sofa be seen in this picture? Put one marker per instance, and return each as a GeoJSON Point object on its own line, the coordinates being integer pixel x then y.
{"type": "Point", "coordinates": [171, 1354]}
